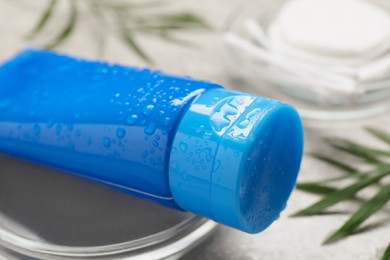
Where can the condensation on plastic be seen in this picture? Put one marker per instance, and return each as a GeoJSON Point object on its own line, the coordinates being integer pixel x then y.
{"type": "Point", "coordinates": [110, 123]}
{"type": "Point", "coordinates": [183, 143]}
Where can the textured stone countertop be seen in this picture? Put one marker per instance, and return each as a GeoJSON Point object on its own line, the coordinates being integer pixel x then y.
{"type": "Point", "coordinates": [287, 238]}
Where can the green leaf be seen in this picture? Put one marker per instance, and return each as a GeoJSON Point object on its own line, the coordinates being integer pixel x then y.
{"type": "Point", "coordinates": [128, 6]}
{"type": "Point", "coordinates": [172, 39]}
{"type": "Point", "coordinates": [182, 18]}
{"type": "Point", "coordinates": [336, 163]}
{"type": "Point", "coordinates": [68, 29]}
{"type": "Point", "coordinates": [342, 194]}
{"type": "Point", "coordinates": [367, 209]}
{"type": "Point", "coordinates": [165, 23]}
{"type": "Point", "coordinates": [386, 255]}
{"type": "Point", "coordinates": [44, 18]}
{"type": "Point", "coordinates": [129, 39]}
{"type": "Point", "coordinates": [315, 188]}
{"type": "Point", "coordinates": [358, 175]}
{"type": "Point", "coordinates": [379, 134]}
{"type": "Point", "coordinates": [366, 153]}
{"type": "Point", "coordinates": [135, 16]}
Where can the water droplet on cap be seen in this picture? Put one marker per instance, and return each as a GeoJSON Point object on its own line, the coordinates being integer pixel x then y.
{"type": "Point", "coordinates": [120, 132]}
{"type": "Point", "coordinates": [144, 154]}
{"type": "Point", "coordinates": [183, 146]}
{"type": "Point", "coordinates": [148, 110]}
{"type": "Point", "coordinates": [149, 129]}
{"type": "Point", "coordinates": [131, 119]}
{"type": "Point", "coordinates": [106, 142]}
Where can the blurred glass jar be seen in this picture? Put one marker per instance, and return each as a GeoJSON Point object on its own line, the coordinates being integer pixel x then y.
{"type": "Point", "coordinates": [326, 86]}
{"type": "Point", "coordinates": [83, 220]}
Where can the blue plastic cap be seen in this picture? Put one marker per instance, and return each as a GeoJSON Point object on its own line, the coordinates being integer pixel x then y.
{"type": "Point", "coordinates": [235, 158]}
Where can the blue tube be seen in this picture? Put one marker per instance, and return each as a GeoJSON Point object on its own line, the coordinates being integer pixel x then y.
{"type": "Point", "coordinates": [184, 143]}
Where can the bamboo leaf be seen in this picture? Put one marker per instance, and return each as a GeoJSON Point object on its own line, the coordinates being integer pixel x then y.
{"type": "Point", "coordinates": [131, 42]}
{"type": "Point", "coordinates": [362, 180]}
{"type": "Point", "coordinates": [68, 29]}
{"type": "Point", "coordinates": [168, 21]}
{"type": "Point", "coordinates": [386, 254]}
{"type": "Point", "coordinates": [129, 6]}
{"type": "Point", "coordinates": [164, 23]}
{"type": "Point", "coordinates": [44, 18]}
{"type": "Point", "coordinates": [342, 194]}
{"type": "Point", "coordinates": [183, 19]}
{"type": "Point", "coordinates": [374, 152]}
{"type": "Point", "coordinates": [379, 134]}
{"type": "Point", "coordinates": [315, 188]}
{"type": "Point", "coordinates": [368, 154]}
{"type": "Point", "coordinates": [357, 175]}
{"type": "Point", "coordinates": [336, 163]}
{"type": "Point", "coordinates": [133, 15]}
{"type": "Point", "coordinates": [364, 212]}
{"type": "Point", "coordinates": [172, 39]}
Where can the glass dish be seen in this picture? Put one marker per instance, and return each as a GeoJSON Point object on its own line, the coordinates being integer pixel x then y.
{"type": "Point", "coordinates": [48, 215]}
{"type": "Point", "coordinates": [267, 77]}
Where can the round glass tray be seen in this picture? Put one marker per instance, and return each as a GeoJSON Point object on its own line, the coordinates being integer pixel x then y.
{"type": "Point", "coordinates": [263, 77]}
{"type": "Point", "coordinates": [49, 215]}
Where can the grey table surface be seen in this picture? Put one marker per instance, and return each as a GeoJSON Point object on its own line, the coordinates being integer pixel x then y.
{"type": "Point", "coordinates": [287, 238]}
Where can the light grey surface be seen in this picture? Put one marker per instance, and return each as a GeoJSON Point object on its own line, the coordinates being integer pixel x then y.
{"type": "Point", "coordinates": [287, 238]}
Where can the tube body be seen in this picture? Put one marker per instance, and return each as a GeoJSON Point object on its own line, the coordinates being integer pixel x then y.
{"type": "Point", "coordinates": [110, 123]}
{"type": "Point", "coordinates": [184, 143]}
